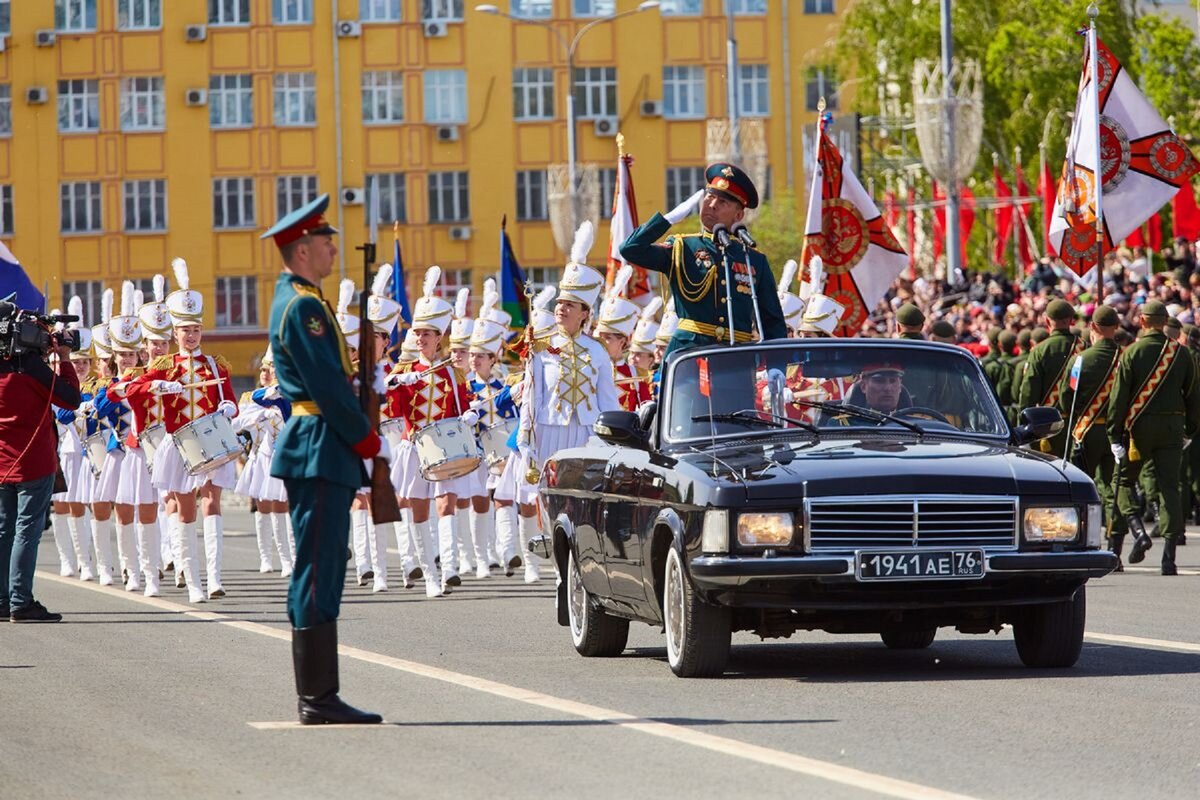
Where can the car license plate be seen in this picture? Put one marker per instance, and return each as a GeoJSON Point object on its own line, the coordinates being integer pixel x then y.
{"type": "Point", "coordinates": [910, 565]}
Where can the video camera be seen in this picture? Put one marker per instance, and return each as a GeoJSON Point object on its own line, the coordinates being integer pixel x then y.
{"type": "Point", "coordinates": [28, 332]}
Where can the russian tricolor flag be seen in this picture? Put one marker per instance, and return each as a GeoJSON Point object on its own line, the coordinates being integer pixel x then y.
{"type": "Point", "coordinates": [15, 285]}
{"type": "Point", "coordinates": [1076, 368]}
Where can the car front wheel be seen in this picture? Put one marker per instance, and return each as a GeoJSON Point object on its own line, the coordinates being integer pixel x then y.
{"type": "Point", "coordinates": [698, 634]}
{"type": "Point", "coordinates": [1050, 635]}
{"type": "Point", "coordinates": [593, 632]}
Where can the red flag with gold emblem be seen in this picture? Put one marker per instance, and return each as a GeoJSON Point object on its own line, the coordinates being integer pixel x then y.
{"type": "Point", "coordinates": [844, 227]}
{"type": "Point", "coordinates": [1141, 162]}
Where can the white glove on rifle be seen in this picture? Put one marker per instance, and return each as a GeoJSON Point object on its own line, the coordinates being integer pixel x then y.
{"type": "Point", "coordinates": [470, 416]}
{"type": "Point", "coordinates": [1118, 451]}
{"type": "Point", "coordinates": [85, 408]}
{"type": "Point", "coordinates": [682, 211]}
{"type": "Point", "coordinates": [272, 392]}
{"type": "Point", "coordinates": [227, 408]}
{"type": "Point", "coordinates": [166, 387]}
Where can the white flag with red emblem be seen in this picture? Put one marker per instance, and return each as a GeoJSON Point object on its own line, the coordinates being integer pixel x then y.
{"type": "Point", "coordinates": [1143, 165]}
{"type": "Point", "coordinates": [861, 254]}
{"type": "Point", "coordinates": [624, 221]}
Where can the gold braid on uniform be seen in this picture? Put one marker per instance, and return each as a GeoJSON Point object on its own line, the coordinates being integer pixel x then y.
{"type": "Point", "coordinates": [691, 291]}
{"type": "Point", "coordinates": [162, 363]}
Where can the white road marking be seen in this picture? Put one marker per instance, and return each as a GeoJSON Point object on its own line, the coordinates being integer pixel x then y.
{"type": "Point", "coordinates": [1156, 570]}
{"type": "Point", "coordinates": [825, 770]}
{"type": "Point", "coordinates": [1138, 641]}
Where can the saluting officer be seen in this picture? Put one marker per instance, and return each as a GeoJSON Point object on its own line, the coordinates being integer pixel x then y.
{"type": "Point", "coordinates": [1156, 405]}
{"type": "Point", "coordinates": [319, 455]}
{"type": "Point", "coordinates": [694, 267]}
{"type": "Point", "coordinates": [1046, 366]}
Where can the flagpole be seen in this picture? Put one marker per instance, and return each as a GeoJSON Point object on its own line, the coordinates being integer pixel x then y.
{"type": "Point", "coordinates": [1093, 11]}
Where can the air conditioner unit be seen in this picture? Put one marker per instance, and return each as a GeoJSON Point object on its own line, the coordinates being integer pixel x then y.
{"type": "Point", "coordinates": [196, 97]}
{"type": "Point", "coordinates": [45, 38]}
{"type": "Point", "coordinates": [447, 133]}
{"type": "Point", "coordinates": [435, 30]}
{"type": "Point", "coordinates": [652, 108]}
{"type": "Point", "coordinates": [349, 29]}
{"type": "Point", "coordinates": [460, 233]}
{"type": "Point", "coordinates": [606, 126]}
{"type": "Point", "coordinates": [195, 33]}
{"type": "Point", "coordinates": [353, 196]}
{"type": "Point", "coordinates": [36, 95]}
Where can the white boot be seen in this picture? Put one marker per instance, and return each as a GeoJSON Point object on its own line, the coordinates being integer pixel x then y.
{"type": "Point", "coordinates": [529, 530]}
{"type": "Point", "coordinates": [102, 539]}
{"type": "Point", "coordinates": [279, 532]}
{"type": "Point", "coordinates": [214, 537]}
{"type": "Point", "coordinates": [67, 564]}
{"type": "Point", "coordinates": [506, 539]}
{"type": "Point", "coordinates": [187, 563]}
{"type": "Point", "coordinates": [482, 527]}
{"type": "Point", "coordinates": [149, 541]}
{"type": "Point", "coordinates": [127, 548]}
{"type": "Point", "coordinates": [423, 531]}
{"type": "Point", "coordinates": [409, 567]}
{"type": "Point", "coordinates": [169, 539]}
{"type": "Point", "coordinates": [291, 537]}
{"type": "Point", "coordinates": [262, 533]}
{"type": "Point", "coordinates": [462, 537]}
{"type": "Point", "coordinates": [379, 542]}
{"type": "Point", "coordinates": [448, 550]}
{"type": "Point", "coordinates": [358, 537]}
{"type": "Point", "coordinates": [81, 538]}
{"type": "Point", "coordinates": [176, 533]}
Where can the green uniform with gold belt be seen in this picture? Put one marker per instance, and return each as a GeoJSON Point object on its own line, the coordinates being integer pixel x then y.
{"type": "Point", "coordinates": [1090, 450]}
{"type": "Point", "coordinates": [1048, 362]}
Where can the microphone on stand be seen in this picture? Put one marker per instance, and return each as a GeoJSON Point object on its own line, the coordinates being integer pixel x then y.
{"type": "Point", "coordinates": [743, 234]}
{"type": "Point", "coordinates": [721, 235]}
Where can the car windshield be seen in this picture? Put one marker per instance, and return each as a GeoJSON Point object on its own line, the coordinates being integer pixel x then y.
{"type": "Point", "coordinates": [830, 386]}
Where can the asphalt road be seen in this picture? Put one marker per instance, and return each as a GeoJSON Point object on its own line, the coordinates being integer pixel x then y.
{"type": "Point", "coordinates": [485, 696]}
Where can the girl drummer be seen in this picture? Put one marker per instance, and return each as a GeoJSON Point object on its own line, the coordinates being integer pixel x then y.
{"type": "Point", "coordinates": [103, 451]}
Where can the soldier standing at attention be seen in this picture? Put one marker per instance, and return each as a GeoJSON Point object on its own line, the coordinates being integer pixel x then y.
{"type": "Point", "coordinates": [319, 455]}
{"type": "Point", "coordinates": [1155, 406]}
{"type": "Point", "coordinates": [695, 269]}
{"type": "Point", "coordinates": [1046, 366]}
{"type": "Point", "coordinates": [1008, 362]}
{"type": "Point", "coordinates": [993, 365]}
{"type": "Point", "coordinates": [910, 322]}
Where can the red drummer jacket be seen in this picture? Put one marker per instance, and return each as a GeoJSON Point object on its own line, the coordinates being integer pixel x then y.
{"type": "Point", "coordinates": [180, 409]}
{"type": "Point", "coordinates": [444, 395]}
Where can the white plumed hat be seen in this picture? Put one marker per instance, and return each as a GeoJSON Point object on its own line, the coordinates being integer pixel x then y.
{"type": "Point", "coordinates": [155, 316]}
{"type": "Point", "coordinates": [382, 310]}
{"type": "Point", "coordinates": [432, 313]}
{"type": "Point", "coordinates": [580, 283]}
{"type": "Point", "coordinates": [185, 305]}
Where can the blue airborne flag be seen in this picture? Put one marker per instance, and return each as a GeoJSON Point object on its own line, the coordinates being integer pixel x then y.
{"type": "Point", "coordinates": [399, 292]}
{"type": "Point", "coordinates": [15, 285]}
{"type": "Point", "coordinates": [512, 281]}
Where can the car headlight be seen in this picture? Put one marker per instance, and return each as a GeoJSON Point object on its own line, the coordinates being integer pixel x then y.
{"type": "Point", "coordinates": [714, 537]}
{"type": "Point", "coordinates": [1095, 525]}
{"type": "Point", "coordinates": [1051, 524]}
{"type": "Point", "coordinates": [774, 529]}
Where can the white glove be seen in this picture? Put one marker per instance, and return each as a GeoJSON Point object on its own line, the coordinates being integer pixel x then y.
{"type": "Point", "coordinates": [227, 408]}
{"type": "Point", "coordinates": [85, 408]}
{"type": "Point", "coordinates": [271, 392]}
{"type": "Point", "coordinates": [476, 405]}
{"type": "Point", "coordinates": [1186, 443]}
{"type": "Point", "coordinates": [516, 392]}
{"type": "Point", "coordinates": [1118, 451]}
{"type": "Point", "coordinates": [385, 450]}
{"type": "Point", "coordinates": [166, 387]}
{"type": "Point", "coordinates": [470, 416]}
{"type": "Point", "coordinates": [526, 451]}
{"type": "Point", "coordinates": [682, 211]}
{"type": "Point", "coordinates": [369, 466]}
{"type": "Point", "coordinates": [404, 379]}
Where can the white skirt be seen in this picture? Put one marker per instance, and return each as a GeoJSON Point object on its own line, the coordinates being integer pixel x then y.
{"type": "Point", "coordinates": [71, 463]}
{"type": "Point", "coordinates": [475, 484]}
{"type": "Point", "coordinates": [266, 486]}
{"type": "Point", "coordinates": [413, 485]}
{"type": "Point", "coordinates": [549, 439]}
{"type": "Point", "coordinates": [171, 475]}
{"type": "Point", "coordinates": [135, 487]}
{"type": "Point", "coordinates": [104, 490]}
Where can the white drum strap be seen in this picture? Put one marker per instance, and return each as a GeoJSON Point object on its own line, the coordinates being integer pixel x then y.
{"type": "Point", "coordinates": [213, 366]}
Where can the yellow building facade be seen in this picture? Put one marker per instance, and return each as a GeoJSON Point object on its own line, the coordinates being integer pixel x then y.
{"type": "Point", "coordinates": [141, 130]}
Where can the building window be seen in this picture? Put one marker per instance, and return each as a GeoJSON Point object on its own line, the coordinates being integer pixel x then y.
{"type": "Point", "coordinates": [683, 92]}
{"type": "Point", "coordinates": [5, 17]}
{"type": "Point", "coordinates": [295, 99]}
{"type": "Point", "coordinates": [606, 179]}
{"type": "Point", "coordinates": [680, 8]}
{"type": "Point", "coordinates": [393, 196]}
{"type": "Point", "coordinates": [133, 15]}
{"type": "Point", "coordinates": [682, 183]}
{"type": "Point", "coordinates": [446, 96]}
{"type": "Point", "coordinates": [237, 302]}
{"type": "Point", "coordinates": [146, 287]}
{"type": "Point", "coordinates": [532, 9]}
{"type": "Point", "coordinates": [6, 211]}
{"type": "Point", "coordinates": [747, 6]}
{"type": "Point", "coordinates": [77, 16]}
{"type": "Point", "coordinates": [533, 94]}
{"type": "Point", "coordinates": [143, 106]}
{"type": "Point", "coordinates": [596, 92]}
{"type": "Point", "coordinates": [594, 8]}
{"type": "Point", "coordinates": [231, 101]}
{"type": "Point", "coordinates": [228, 12]}
{"type": "Point", "coordinates": [531, 195]}
{"type": "Point", "coordinates": [453, 280]}
{"type": "Point", "coordinates": [821, 82]}
{"type": "Point", "coordinates": [449, 198]}
{"type": "Point", "coordinates": [442, 10]}
{"type": "Point", "coordinates": [80, 207]}
{"type": "Point", "coordinates": [291, 12]}
{"type": "Point", "coordinates": [146, 205]}
{"type": "Point", "coordinates": [233, 203]}
{"type": "Point", "coordinates": [753, 90]}
{"type": "Point", "coordinates": [78, 106]}
{"type": "Point", "coordinates": [5, 109]}
{"type": "Point", "coordinates": [90, 293]}
{"type": "Point", "coordinates": [541, 277]}
{"type": "Point", "coordinates": [379, 10]}
{"type": "Point", "coordinates": [293, 191]}
{"type": "Point", "coordinates": [818, 6]}
{"type": "Point", "coordinates": [383, 97]}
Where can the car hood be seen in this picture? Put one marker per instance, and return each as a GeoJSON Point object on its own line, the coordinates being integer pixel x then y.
{"type": "Point", "coordinates": [773, 469]}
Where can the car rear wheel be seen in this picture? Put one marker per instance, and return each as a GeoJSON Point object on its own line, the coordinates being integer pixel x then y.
{"type": "Point", "coordinates": [593, 632]}
{"type": "Point", "coordinates": [1051, 635]}
{"type": "Point", "coordinates": [908, 639]}
{"type": "Point", "coordinates": [698, 634]}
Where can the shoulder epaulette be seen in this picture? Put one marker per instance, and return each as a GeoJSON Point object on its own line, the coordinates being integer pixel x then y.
{"type": "Point", "coordinates": [310, 291]}
{"type": "Point", "coordinates": [223, 363]}
{"type": "Point", "coordinates": [402, 367]}
{"type": "Point", "coordinates": [133, 372]}
{"type": "Point", "coordinates": [514, 378]}
{"type": "Point", "coordinates": [246, 398]}
{"type": "Point", "coordinates": [162, 362]}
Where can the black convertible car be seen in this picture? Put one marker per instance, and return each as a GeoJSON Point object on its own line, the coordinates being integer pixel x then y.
{"type": "Point", "coordinates": [851, 486]}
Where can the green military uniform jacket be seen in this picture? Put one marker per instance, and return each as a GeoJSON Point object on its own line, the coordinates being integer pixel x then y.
{"type": "Point", "coordinates": [312, 366]}
{"type": "Point", "coordinates": [919, 337]}
{"type": "Point", "coordinates": [1045, 366]}
{"type": "Point", "coordinates": [693, 266]}
{"type": "Point", "coordinates": [1176, 395]}
{"type": "Point", "coordinates": [993, 368]}
{"type": "Point", "coordinates": [1097, 362]}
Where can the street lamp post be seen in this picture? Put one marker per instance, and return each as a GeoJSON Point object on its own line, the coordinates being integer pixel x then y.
{"type": "Point", "coordinates": [570, 47]}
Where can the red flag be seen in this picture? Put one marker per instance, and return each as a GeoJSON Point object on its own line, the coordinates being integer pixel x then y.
{"type": "Point", "coordinates": [891, 214]}
{"type": "Point", "coordinates": [1004, 218]}
{"type": "Point", "coordinates": [1023, 252]}
{"type": "Point", "coordinates": [1156, 232]}
{"type": "Point", "coordinates": [939, 221]}
{"type": "Point", "coordinates": [624, 221]}
{"type": "Point", "coordinates": [705, 385]}
{"type": "Point", "coordinates": [1185, 216]}
{"type": "Point", "coordinates": [910, 229]}
{"type": "Point", "coordinates": [1046, 190]}
{"type": "Point", "coordinates": [966, 221]}
{"type": "Point", "coordinates": [1136, 240]}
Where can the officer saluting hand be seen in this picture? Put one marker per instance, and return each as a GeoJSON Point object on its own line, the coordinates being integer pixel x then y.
{"type": "Point", "coordinates": [693, 265]}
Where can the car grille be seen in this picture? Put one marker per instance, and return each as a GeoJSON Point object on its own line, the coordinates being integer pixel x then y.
{"type": "Point", "coordinates": [867, 522]}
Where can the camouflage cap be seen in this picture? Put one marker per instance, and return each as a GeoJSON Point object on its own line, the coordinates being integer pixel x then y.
{"type": "Point", "coordinates": [910, 315]}
{"type": "Point", "coordinates": [1025, 338]}
{"type": "Point", "coordinates": [1060, 311]}
{"type": "Point", "coordinates": [993, 335]}
{"type": "Point", "coordinates": [1123, 337]}
{"type": "Point", "coordinates": [1154, 309]}
{"type": "Point", "coordinates": [1106, 316]}
{"type": "Point", "coordinates": [1174, 325]}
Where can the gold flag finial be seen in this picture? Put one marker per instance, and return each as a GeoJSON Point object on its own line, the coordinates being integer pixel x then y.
{"type": "Point", "coordinates": [821, 105]}
{"type": "Point", "coordinates": [620, 145]}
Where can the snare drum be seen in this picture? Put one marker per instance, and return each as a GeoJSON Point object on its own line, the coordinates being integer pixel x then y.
{"type": "Point", "coordinates": [446, 449]}
{"type": "Point", "coordinates": [495, 444]}
{"type": "Point", "coordinates": [207, 443]}
{"type": "Point", "coordinates": [96, 446]}
{"type": "Point", "coordinates": [149, 440]}
{"type": "Point", "coordinates": [393, 431]}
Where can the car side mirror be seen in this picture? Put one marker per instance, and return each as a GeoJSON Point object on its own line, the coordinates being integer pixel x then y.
{"type": "Point", "coordinates": [621, 428]}
{"type": "Point", "coordinates": [1037, 423]}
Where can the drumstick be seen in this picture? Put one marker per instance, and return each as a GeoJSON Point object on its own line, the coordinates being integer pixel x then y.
{"type": "Point", "coordinates": [199, 384]}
